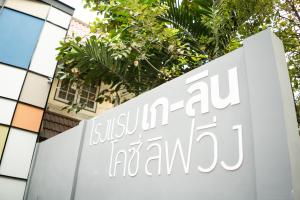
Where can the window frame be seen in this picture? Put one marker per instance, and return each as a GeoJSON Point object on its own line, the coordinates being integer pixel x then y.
{"type": "Point", "coordinates": [87, 98]}
{"type": "Point", "coordinates": [77, 96]}
{"type": "Point", "coordinates": [58, 90]}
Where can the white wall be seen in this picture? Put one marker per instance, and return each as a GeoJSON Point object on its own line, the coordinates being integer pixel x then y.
{"type": "Point", "coordinates": [7, 108]}
{"type": "Point", "coordinates": [58, 17]}
{"type": "Point", "coordinates": [11, 80]}
{"type": "Point", "coordinates": [18, 153]}
{"type": "Point", "coordinates": [44, 58]}
{"type": "Point", "coordinates": [11, 189]}
{"type": "Point", "coordinates": [35, 8]}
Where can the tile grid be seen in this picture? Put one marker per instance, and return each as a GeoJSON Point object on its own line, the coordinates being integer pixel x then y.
{"type": "Point", "coordinates": [52, 84]}
{"type": "Point", "coordinates": [10, 125]}
{"type": "Point", "coordinates": [18, 100]}
{"type": "Point", "coordinates": [44, 110]}
{"type": "Point", "coordinates": [29, 70]}
{"type": "Point", "coordinates": [6, 125]}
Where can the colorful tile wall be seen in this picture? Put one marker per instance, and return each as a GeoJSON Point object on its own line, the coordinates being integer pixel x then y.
{"type": "Point", "coordinates": [7, 108]}
{"type": "Point", "coordinates": [11, 80]}
{"type": "Point", "coordinates": [31, 7]}
{"type": "Point", "coordinates": [35, 90]}
{"type": "Point", "coordinates": [18, 41]}
{"type": "Point", "coordinates": [44, 58]}
{"type": "Point", "coordinates": [11, 189]}
{"type": "Point", "coordinates": [30, 32]}
{"type": "Point", "coordinates": [27, 117]}
{"type": "Point", "coordinates": [18, 153]}
{"type": "Point", "coordinates": [59, 17]}
{"type": "Point", "coordinates": [3, 136]}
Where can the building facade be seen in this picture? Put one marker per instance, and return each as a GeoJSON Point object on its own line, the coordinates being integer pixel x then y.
{"type": "Point", "coordinates": [56, 119]}
{"type": "Point", "coordinates": [30, 32]}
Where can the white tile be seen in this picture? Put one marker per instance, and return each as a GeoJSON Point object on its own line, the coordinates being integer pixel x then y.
{"type": "Point", "coordinates": [7, 108]}
{"type": "Point", "coordinates": [11, 189]}
{"type": "Point", "coordinates": [11, 80]}
{"type": "Point", "coordinates": [59, 17]}
{"type": "Point", "coordinates": [32, 7]}
{"type": "Point", "coordinates": [18, 153]}
{"type": "Point", "coordinates": [35, 90]}
{"type": "Point", "coordinates": [44, 58]}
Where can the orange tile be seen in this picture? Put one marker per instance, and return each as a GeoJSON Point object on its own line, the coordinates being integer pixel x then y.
{"type": "Point", "coordinates": [28, 117]}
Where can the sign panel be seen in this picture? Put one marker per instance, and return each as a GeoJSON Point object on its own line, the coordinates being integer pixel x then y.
{"type": "Point", "coordinates": [191, 138]}
{"type": "Point", "coordinates": [186, 138]}
{"type": "Point", "coordinates": [226, 130]}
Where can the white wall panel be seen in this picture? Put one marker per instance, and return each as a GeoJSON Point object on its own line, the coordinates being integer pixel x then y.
{"type": "Point", "coordinates": [7, 108]}
{"type": "Point", "coordinates": [35, 90]}
{"type": "Point", "coordinates": [59, 17]}
{"type": "Point", "coordinates": [32, 7]}
{"type": "Point", "coordinates": [11, 80]}
{"type": "Point", "coordinates": [44, 61]}
{"type": "Point", "coordinates": [11, 189]}
{"type": "Point", "coordinates": [18, 153]}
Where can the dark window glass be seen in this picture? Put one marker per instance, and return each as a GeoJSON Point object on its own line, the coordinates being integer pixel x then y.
{"type": "Point", "coordinates": [65, 92]}
{"type": "Point", "coordinates": [86, 96]}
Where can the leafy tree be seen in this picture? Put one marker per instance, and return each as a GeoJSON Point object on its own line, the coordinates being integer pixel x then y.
{"type": "Point", "coordinates": [283, 16]}
{"type": "Point", "coordinates": [138, 44]}
{"type": "Point", "coordinates": [231, 21]}
{"type": "Point", "coordinates": [287, 26]}
{"type": "Point", "coordinates": [130, 49]}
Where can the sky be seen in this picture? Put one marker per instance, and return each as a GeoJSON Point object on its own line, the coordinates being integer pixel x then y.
{"type": "Point", "coordinates": [80, 13]}
{"type": "Point", "coordinates": [84, 14]}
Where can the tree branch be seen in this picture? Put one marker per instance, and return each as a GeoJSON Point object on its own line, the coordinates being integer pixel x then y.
{"type": "Point", "coordinates": [294, 9]}
{"type": "Point", "coordinates": [150, 64]}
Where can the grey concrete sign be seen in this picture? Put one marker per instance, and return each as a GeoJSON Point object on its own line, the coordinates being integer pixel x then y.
{"type": "Point", "coordinates": [226, 130]}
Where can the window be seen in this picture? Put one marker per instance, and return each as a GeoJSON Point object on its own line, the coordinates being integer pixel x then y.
{"type": "Point", "coordinates": [88, 97]}
{"type": "Point", "coordinates": [67, 92]}
{"type": "Point", "coordinates": [18, 37]}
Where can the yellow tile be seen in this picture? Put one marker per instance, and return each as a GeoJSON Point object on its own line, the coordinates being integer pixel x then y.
{"type": "Point", "coordinates": [3, 136]}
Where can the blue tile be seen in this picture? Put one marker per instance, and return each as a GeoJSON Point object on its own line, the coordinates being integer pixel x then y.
{"type": "Point", "coordinates": [19, 34]}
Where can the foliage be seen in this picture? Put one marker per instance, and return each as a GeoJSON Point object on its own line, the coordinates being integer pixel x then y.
{"type": "Point", "coordinates": [287, 25]}
{"type": "Point", "coordinates": [136, 45]}
{"type": "Point", "coordinates": [130, 49]}
{"type": "Point", "coordinates": [231, 21]}
{"type": "Point", "coordinates": [283, 16]}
